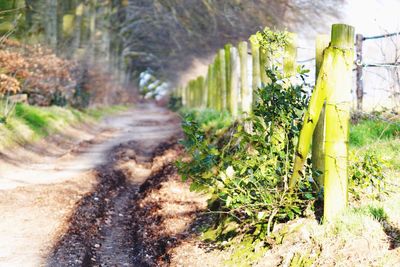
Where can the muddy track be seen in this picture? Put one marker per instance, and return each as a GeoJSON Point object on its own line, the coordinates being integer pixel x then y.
{"type": "Point", "coordinates": [104, 229]}
{"type": "Point", "coordinates": [132, 210]}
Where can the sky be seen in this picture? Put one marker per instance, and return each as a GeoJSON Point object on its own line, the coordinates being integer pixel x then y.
{"type": "Point", "coordinates": [372, 17]}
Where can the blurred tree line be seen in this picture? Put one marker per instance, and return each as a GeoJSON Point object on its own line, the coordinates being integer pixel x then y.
{"type": "Point", "coordinates": [132, 36]}
{"type": "Point", "coordinates": [81, 29]}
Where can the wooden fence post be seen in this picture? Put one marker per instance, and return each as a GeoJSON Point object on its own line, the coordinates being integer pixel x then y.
{"type": "Point", "coordinates": [289, 59]}
{"type": "Point", "coordinates": [334, 86]}
{"type": "Point", "coordinates": [222, 79]}
{"type": "Point", "coordinates": [184, 96]}
{"type": "Point", "coordinates": [191, 94]}
{"type": "Point", "coordinates": [208, 86]}
{"type": "Point", "coordinates": [264, 62]}
{"type": "Point", "coordinates": [359, 70]}
{"type": "Point", "coordinates": [234, 84]}
{"type": "Point", "coordinates": [338, 104]}
{"type": "Point", "coordinates": [199, 91]}
{"type": "Point", "coordinates": [245, 90]}
{"type": "Point", "coordinates": [228, 75]}
{"type": "Point", "coordinates": [318, 142]}
{"type": "Point", "coordinates": [217, 93]}
{"type": "Point", "coordinates": [188, 95]}
{"type": "Point", "coordinates": [255, 53]}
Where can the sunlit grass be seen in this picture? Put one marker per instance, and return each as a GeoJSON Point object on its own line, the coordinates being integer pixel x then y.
{"type": "Point", "coordinates": [369, 131]}
{"type": "Point", "coordinates": [99, 112]}
{"type": "Point", "coordinates": [29, 123]}
{"type": "Point", "coordinates": [209, 118]}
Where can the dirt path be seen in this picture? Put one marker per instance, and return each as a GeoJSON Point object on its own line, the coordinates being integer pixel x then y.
{"type": "Point", "coordinates": [76, 209]}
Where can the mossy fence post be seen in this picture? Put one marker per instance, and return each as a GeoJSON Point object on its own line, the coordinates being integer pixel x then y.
{"type": "Point", "coordinates": [264, 63]}
{"type": "Point", "coordinates": [318, 145]}
{"type": "Point", "coordinates": [246, 94]}
{"type": "Point", "coordinates": [222, 79]}
{"type": "Point", "coordinates": [234, 84]}
{"type": "Point", "coordinates": [228, 76]}
{"type": "Point", "coordinates": [184, 95]}
{"type": "Point", "coordinates": [359, 71]}
{"type": "Point", "coordinates": [209, 87]}
{"type": "Point", "coordinates": [255, 55]}
{"type": "Point", "coordinates": [333, 86]}
{"type": "Point", "coordinates": [290, 56]}
{"type": "Point", "coordinates": [217, 91]}
{"type": "Point", "coordinates": [190, 94]}
{"type": "Point", "coordinates": [338, 104]}
{"type": "Point", "coordinates": [199, 91]}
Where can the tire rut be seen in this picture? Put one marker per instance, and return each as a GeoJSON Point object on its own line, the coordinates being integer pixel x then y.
{"type": "Point", "coordinates": [103, 229]}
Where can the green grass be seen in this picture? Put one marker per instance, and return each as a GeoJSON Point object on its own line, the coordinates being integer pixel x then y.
{"type": "Point", "coordinates": [368, 131]}
{"type": "Point", "coordinates": [29, 123]}
{"type": "Point", "coordinates": [379, 137]}
{"type": "Point", "coordinates": [209, 118]}
{"type": "Point", "coordinates": [99, 112]}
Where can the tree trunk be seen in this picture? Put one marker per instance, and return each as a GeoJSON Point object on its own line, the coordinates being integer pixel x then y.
{"type": "Point", "coordinates": [51, 24]}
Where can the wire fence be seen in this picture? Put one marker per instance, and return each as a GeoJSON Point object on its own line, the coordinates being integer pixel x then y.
{"type": "Point", "coordinates": [378, 80]}
{"type": "Point", "coordinates": [377, 71]}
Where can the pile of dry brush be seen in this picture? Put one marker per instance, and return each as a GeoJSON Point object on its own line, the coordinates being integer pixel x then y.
{"type": "Point", "coordinates": [48, 79]}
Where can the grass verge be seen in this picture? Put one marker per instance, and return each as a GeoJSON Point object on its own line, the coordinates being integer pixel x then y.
{"type": "Point", "coordinates": [30, 123]}
{"type": "Point", "coordinates": [370, 130]}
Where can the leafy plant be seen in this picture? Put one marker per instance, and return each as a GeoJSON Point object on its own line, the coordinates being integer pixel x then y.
{"type": "Point", "coordinates": [271, 42]}
{"type": "Point", "coordinates": [366, 177]}
{"type": "Point", "coordinates": [246, 174]}
{"type": "Point", "coordinates": [175, 103]}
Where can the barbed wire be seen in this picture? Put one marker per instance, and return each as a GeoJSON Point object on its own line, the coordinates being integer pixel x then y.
{"type": "Point", "coordinates": [306, 60]}
{"type": "Point", "coordinates": [306, 48]}
{"type": "Point", "coordinates": [385, 65]}
{"type": "Point", "coordinates": [381, 36]}
{"type": "Point", "coordinates": [394, 118]}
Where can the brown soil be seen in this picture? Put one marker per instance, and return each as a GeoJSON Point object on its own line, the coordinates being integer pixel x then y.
{"type": "Point", "coordinates": [40, 218]}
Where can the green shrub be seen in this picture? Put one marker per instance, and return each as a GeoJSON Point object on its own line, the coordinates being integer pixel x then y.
{"type": "Point", "coordinates": [175, 103]}
{"type": "Point", "coordinates": [246, 174]}
{"type": "Point", "coordinates": [366, 177]}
